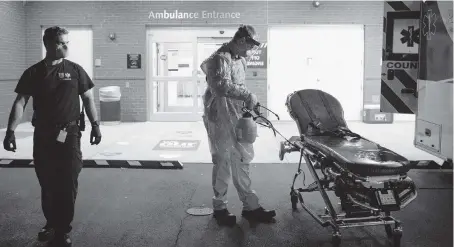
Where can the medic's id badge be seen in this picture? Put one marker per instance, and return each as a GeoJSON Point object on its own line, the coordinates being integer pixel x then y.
{"type": "Point", "coordinates": [62, 136]}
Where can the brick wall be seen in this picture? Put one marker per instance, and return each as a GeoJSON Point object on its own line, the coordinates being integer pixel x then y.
{"type": "Point", "coordinates": [12, 48]}
{"type": "Point", "coordinates": [129, 20]}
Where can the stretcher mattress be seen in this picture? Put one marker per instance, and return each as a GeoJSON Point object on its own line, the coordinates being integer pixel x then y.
{"type": "Point", "coordinates": [359, 156]}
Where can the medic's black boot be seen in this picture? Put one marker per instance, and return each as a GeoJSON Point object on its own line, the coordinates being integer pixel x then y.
{"type": "Point", "coordinates": [45, 234]}
{"type": "Point", "coordinates": [60, 240]}
{"type": "Point", "coordinates": [224, 217]}
{"type": "Point", "coordinates": [259, 215]}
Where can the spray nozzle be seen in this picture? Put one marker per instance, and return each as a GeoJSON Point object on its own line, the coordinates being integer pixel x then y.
{"type": "Point", "coordinates": [256, 111]}
{"type": "Point", "coordinates": [247, 114]}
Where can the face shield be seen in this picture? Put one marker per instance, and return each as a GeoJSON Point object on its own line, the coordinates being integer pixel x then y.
{"type": "Point", "coordinates": [252, 46]}
{"type": "Point", "coordinates": [252, 43]}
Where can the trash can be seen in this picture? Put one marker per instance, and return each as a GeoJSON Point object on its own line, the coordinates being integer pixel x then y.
{"type": "Point", "coordinates": [372, 115]}
{"type": "Point", "coordinates": [110, 105]}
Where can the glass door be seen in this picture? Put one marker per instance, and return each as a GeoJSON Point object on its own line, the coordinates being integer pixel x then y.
{"type": "Point", "coordinates": [175, 61]}
{"type": "Point", "coordinates": [171, 76]}
{"type": "Point", "coordinates": [176, 82]}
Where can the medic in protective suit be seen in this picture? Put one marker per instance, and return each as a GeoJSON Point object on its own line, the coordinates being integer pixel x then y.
{"type": "Point", "coordinates": [225, 95]}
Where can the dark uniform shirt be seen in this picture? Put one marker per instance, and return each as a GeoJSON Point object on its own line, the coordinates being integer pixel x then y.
{"type": "Point", "coordinates": [55, 90]}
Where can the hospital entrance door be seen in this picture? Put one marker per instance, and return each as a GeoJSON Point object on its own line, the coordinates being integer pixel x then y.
{"type": "Point", "coordinates": [176, 82]}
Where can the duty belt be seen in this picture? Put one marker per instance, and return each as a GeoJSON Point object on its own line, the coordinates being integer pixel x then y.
{"type": "Point", "coordinates": [56, 125]}
{"type": "Point", "coordinates": [64, 126]}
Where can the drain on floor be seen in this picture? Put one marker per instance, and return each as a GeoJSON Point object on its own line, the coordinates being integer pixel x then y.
{"type": "Point", "coordinates": [200, 211]}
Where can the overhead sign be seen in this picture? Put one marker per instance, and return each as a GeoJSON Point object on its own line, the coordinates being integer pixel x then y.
{"type": "Point", "coordinates": [258, 59]}
{"type": "Point", "coordinates": [176, 14]}
{"type": "Point", "coordinates": [178, 145]}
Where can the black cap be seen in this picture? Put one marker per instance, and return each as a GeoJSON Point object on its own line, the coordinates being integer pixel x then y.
{"type": "Point", "coordinates": [248, 32]}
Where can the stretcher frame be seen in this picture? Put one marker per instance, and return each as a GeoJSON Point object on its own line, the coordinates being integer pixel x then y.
{"type": "Point", "coordinates": [316, 159]}
{"type": "Point", "coordinates": [331, 218]}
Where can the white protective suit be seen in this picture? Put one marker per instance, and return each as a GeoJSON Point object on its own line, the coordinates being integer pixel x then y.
{"type": "Point", "coordinates": [223, 102]}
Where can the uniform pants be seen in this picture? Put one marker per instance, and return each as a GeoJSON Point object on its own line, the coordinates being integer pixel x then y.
{"type": "Point", "coordinates": [231, 160]}
{"type": "Point", "coordinates": [57, 166]}
{"type": "Point", "coordinates": [232, 167]}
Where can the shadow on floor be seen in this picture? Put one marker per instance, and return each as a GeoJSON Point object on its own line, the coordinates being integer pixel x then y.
{"type": "Point", "coordinates": [135, 208]}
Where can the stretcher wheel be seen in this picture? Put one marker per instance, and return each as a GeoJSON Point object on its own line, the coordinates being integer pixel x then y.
{"type": "Point", "coordinates": [326, 211]}
{"type": "Point", "coordinates": [336, 240]}
{"type": "Point", "coordinates": [397, 235]}
{"type": "Point", "coordinates": [294, 200]}
{"type": "Point", "coordinates": [282, 151]}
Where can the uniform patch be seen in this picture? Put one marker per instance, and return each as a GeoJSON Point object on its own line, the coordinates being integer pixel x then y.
{"type": "Point", "coordinates": [64, 76]}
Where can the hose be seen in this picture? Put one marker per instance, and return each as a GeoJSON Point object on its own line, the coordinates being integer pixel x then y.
{"type": "Point", "coordinates": [259, 115]}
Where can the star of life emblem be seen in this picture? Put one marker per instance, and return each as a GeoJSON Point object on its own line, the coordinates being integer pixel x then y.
{"type": "Point", "coordinates": [429, 24]}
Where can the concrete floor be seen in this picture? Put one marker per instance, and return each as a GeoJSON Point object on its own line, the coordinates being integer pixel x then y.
{"type": "Point", "coordinates": [135, 208]}
{"type": "Point", "coordinates": [130, 207]}
{"type": "Point", "coordinates": [137, 141]}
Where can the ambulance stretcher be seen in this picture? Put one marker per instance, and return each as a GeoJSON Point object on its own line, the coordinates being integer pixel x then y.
{"type": "Point", "coordinates": [370, 180]}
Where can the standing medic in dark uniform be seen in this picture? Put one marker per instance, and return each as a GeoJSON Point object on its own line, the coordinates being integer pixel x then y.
{"type": "Point", "coordinates": [56, 85]}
